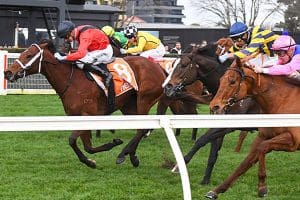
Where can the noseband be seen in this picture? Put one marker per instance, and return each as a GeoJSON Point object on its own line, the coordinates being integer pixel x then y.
{"type": "Point", "coordinates": [32, 60]}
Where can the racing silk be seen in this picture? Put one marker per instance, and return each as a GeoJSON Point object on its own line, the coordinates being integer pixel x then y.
{"type": "Point", "coordinates": [121, 38]}
{"type": "Point", "coordinates": [261, 40]}
{"type": "Point", "coordinates": [144, 41]}
{"type": "Point", "coordinates": [286, 69]}
{"type": "Point", "coordinates": [89, 40]}
{"type": "Point", "coordinates": [234, 48]}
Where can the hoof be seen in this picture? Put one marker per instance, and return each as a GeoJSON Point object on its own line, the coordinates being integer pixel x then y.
{"type": "Point", "coordinates": [90, 163]}
{"type": "Point", "coordinates": [120, 160]}
{"type": "Point", "coordinates": [262, 192]}
{"type": "Point", "coordinates": [117, 142]}
{"type": "Point", "coordinates": [211, 195]}
{"type": "Point", "coordinates": [135, 161]}
{"type": "Point", "coordinates": [175, 169]}
{"type": "Point", "coordinates": [204, 182]}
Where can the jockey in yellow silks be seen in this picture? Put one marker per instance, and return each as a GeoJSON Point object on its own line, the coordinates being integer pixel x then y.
{"type": "Point", "coordinates": [251, 40]}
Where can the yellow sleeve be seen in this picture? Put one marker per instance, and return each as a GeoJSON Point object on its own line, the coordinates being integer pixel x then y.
{"type": "Point", "coordinates": [140, 46]}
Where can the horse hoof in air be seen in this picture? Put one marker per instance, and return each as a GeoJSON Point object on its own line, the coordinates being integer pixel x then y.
{"type": "Point", "coordinates": [135, 161]}
{"type": "Point", "coordinates": [91, 163]}
{"type": "Point", "coordinates": [211, 195]}
{"type": "Point", "coordinates": [120, 160]}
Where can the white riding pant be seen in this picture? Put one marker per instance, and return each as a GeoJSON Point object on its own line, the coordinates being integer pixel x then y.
{"type": "Point", "coordinates": [157, 53]}
{"type": "Point", "coordinates": [97, 57]}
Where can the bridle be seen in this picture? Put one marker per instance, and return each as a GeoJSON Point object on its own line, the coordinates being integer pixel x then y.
{"type": "Point", "coordinates": [222, 49]}
{"type": "Point", "coordinates": [232, 100]}
{"type": "Point", "coordinates": [32, 60]}
{"type": "Point", "coordinates": [39, 56]}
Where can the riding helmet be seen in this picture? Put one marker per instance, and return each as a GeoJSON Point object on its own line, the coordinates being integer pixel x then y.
{"type": "Point", "coordinates": [130, 31]}
{"type": "Point", "coordinates": [108, 30]}
{"type": "Point", "coordinates": [238, 29]}
{"type": "Point", "coordinates": [283, 42]}
{"type": "Point", "coordinates": [64, 28]}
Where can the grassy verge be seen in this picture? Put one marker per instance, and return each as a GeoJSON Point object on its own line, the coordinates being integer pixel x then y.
{"type": "Point", "coordinates": [41, 165]}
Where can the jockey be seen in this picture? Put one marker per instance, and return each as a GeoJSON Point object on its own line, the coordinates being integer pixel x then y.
{"type": "Point", "coordinates": [288, 58]}
{"type": "Point", "coordinates": [94, 49]}
{"type": "Point", "coordinates": [249, 40]}
{"type": "Point", "coordinates": [143, 43]}
{"type": "Point", "coordinates": [120, 37]}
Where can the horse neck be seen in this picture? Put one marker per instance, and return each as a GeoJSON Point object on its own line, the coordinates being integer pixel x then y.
{"type": "Point", "coordinates": [269, 92]}
{"type": "Point", "coordinates": [57, 75]}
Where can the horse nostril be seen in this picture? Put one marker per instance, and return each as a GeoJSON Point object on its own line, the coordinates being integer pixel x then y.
{"type": "Point", "coordinates": [215, 109]}
{"type": "Point", "coordinates": [7, 74]}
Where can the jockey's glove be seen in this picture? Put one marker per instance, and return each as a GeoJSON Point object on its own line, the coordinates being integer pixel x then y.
{"type": "Point", "coordinates": [59, 57]}
{"type": "Point", "coordinates": [259, 70]}
{"type": "Point", "coordinates": [223, 57]}
{"type": "Point", "coordinates": [122, 51]}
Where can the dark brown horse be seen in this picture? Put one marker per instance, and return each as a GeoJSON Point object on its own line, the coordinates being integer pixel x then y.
{"type": "Point", "coordinates": [203, 64]}
{"type": "Point", "coordinates": [81, 96]}
{"type": "Point", "coordinates": [240, 81]}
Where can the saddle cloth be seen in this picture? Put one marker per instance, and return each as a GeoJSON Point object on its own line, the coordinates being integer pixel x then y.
{"type": "Point", "coordinates": [123, 77]}
{"type": "Point", "coordinates": [166, 64]}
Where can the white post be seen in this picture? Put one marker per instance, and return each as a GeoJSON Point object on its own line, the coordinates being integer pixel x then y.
{"type": "Point", "coordinates": [3, 66]}
{"type": "Point", "coordinates": [166, 124]}
{"type": "Point", "coordinates": [16, 35]}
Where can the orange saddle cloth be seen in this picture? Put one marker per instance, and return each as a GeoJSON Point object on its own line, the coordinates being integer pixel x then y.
{"type": "Point", "coordinates": [123, 77]}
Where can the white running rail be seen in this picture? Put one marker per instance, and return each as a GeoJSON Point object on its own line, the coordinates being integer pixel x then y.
{"type": "Point", "coordinates": [167, 122]}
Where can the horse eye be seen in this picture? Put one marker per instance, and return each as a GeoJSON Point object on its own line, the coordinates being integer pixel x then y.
{"type": "Point", "coordinates": [231, 81]}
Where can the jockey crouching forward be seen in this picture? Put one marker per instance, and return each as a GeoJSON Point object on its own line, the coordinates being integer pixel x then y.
{"type": "Point", "coordinates": [288, 58]}
{"type": "Point", "coordinates": [93, 50]}
{"type": "Point", "coordinates": [249, 41]}
{"type": "Point", "coordinates": [143, 43]}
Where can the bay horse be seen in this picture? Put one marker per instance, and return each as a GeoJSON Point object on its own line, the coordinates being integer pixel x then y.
{"type": "Point", "coordinates": [202, 64]}
{"type": "Point", "coordinates": [240, 81]}
{"type": "Point", "coordinates": [81, 96]}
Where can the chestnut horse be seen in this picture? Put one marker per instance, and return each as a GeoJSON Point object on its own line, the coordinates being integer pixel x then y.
{"type": "Point", "coordinates": [203, 64]}
{"type": "Point", "coordinates": [224, 45]}
{"type": "Point", "coordinates": [240, 81]}
{"type": "Point", "coordinates": [81, 96]}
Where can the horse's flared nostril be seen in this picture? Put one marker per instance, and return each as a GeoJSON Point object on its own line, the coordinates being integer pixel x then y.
{"type": "Point", "coordinates": [8, 75]}
{"type": "Point", "coordinates": [215, 109]}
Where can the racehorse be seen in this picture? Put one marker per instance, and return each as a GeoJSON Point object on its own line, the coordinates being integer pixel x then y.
{"type": "Point", "coordinates": [202, 64]}
{"type": "Point", "coordinates": [81, 96]}
{"type": "Point", "coordinates": [240, 81]}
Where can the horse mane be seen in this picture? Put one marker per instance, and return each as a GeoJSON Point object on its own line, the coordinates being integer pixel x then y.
{"type": "Point", "coordinates": [207, 50]}
{"type": "Point", "coordinates": [50, 45]}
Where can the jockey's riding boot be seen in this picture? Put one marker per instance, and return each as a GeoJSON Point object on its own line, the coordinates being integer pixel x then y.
{"type": "Point", "coordinates": [107, 76]}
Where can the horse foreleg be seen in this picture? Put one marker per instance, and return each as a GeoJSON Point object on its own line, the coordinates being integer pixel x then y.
{"type": "Point", "coordinates": [130, 148]}
{"type": "Point", "coordinates": [248, 162]}
{"type": "Point", "coordinates": [242, 137]}
{"type": "Point", "coordinates": [73, 144]}
{"type": "Point", "coordinates": [281, 142]}
{"type": "Point", "coordinates": [213, 156]}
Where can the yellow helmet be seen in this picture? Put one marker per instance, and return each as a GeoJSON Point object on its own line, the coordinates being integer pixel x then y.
{"type": "Point", "coordinates": [108, 30]}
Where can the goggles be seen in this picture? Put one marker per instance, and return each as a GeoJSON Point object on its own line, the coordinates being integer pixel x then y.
{"type": "Point", "coordinates": [239, 38]}
{"type": "Point", "coordinates": [280, 52]}
{"type": "Point", "coordinates": [130, 36]}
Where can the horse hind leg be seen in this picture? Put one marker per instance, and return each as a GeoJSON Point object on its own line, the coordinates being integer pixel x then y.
{"type": "Point", "coordinates": [242, 136]}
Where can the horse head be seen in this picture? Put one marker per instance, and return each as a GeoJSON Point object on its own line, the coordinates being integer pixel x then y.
{"type": "Point", "coordinates": [184, 72]}
{"type": "Point", "coordinates": [202, 64]}
{"type": "Point", "coordinates": [30, 61]}
{"type": "Point", "coordinates": [234, 86]}
{"type": "Point", "coordinates": [224, 44]}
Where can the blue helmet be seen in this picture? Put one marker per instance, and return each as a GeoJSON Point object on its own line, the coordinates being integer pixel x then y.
{"type": "Point", "coordinates": [237, 29]}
